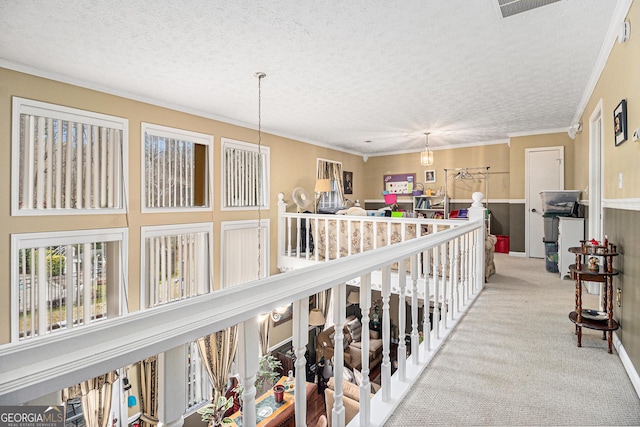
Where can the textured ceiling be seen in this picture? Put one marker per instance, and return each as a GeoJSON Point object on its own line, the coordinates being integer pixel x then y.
{"type": "Point", "coordinates": [339, 73]}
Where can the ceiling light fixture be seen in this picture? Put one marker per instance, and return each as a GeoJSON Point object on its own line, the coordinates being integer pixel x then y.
{"type": "Point", "coordinates": [426, 156]}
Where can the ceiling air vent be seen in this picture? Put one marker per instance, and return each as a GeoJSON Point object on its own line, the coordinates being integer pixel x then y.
{"type": "Point", "coordinates": [513, 7]}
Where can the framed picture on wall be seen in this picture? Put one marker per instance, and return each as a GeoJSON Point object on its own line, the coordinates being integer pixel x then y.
{"type": "Point", "coordinates": [347, 179]}
{"type": "Point", "coordinates": [620, 122]}
{"type": "Point", "coordinates": [429, 176]}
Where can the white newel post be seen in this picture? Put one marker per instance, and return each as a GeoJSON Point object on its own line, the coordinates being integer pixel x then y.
{"type": "Point", "coordinates": [282, 209]}
{"type": "Point", "coordinates": [402, 319]}
{"type": "Point", "coordinates": [365, 386]}
{"type": "Point", "coordinates": [300, 340]}
{"type": "Point", "coordinates": [415, 334]}
{"type": "Point", "coordinates": [339, 308]}
{"type": "Point", "coordinates": [477, 212]}
{"type": "Point", "coordinates": [172, 386]}
{"type": "Point", "coordinates": [386, 334]}
{"type": "Point", "coordinates": [248, 355]}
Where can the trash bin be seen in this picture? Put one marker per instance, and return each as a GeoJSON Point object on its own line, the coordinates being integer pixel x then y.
{"type": "Point", "coordinates": [551, 256]}
{"type": "Point", "coordinates": [502, 245]}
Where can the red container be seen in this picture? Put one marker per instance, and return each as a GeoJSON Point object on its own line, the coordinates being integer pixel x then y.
{"type": "Point", "coordinates": [502, 245]}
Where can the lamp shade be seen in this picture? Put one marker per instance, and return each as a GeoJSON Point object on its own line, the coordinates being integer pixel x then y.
{"type": "Point", "coordinates": [323, 185]}
{"type": "Point", "coordinates": [354, 297]}
{"type": "Point", "coordinates": [316, 318]}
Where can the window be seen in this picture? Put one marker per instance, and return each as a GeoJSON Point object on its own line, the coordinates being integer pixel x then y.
{"type": "Point", "coordinates": [245, 255]}
{"type": "Point", "coordinates": [62, 280]}
{"type": "Point", "coordinates": [66, 161]}
{"type": "Point", "coordinates": [176, 262]}
{"type": "Point", "coordinates": [327, 169]}
{"type": "Point", "coordinates": [176, 265]}
{"type": "Point", "coordinates": [177, 166]}
{"type": "Point", "coordinates": [245, 175]}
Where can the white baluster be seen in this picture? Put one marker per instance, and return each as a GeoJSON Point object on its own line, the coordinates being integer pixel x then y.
{"type": "Point", "coordinates": [402, 319]}
{"type": "Point", "coordinates": [415, 335]}
{"type": "Point", "coordinates": [455, 308]}
{"type": "Point", "coordinates": [436, 292]}
{"type": "Point", "coordinates": [300, 340]}
{"type": "Point", "coordinates": [365, 386]}
{"type": "Point", "coordinates": [426, 323]}
{"type": "Point", "coordinates": [386, 334]}
{"type": "Point", "coordinates": [444, 309]}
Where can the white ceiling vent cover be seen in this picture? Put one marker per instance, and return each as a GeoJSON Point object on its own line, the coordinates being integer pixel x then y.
{"type": "Point", "coordinates": [513, 7]}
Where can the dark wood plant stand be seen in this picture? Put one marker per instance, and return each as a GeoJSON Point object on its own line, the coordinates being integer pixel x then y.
{"type": "Point", "coordinates": [580, 271]}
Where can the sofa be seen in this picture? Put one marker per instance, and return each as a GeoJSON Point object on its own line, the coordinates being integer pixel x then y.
{"type": "Point", "coordinates": [352, 344]}
{"type": "Point", "coordinates": [350, 399]}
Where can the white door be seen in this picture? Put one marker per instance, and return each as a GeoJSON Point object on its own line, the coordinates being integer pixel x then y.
{"type": "Point", "coordinates": [544, 170]}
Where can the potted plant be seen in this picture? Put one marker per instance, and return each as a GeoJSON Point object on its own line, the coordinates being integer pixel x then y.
{"type": "Point", "coordinates": [215, 415]}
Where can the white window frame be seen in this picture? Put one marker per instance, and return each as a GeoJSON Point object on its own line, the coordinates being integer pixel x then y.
{"type": "Point", "coordinates": [266, 175]}
{"type": "Point", "coordinates": [170, 230]}
{"type": "Point", "coordinates": [265, 238]}
{"type": "Point", "coordinates": [181, 135]}
{"type": "Point", "coordinates": [35, 240]}
{"type": "Point", "coordinates": [57, 112]}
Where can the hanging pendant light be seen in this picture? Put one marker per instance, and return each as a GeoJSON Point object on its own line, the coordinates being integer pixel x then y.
{"type": "Point", "coordinates": [426, 156]}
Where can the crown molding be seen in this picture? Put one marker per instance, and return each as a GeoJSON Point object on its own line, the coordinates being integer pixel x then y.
{"type": "Point", "coordinates": [538, 132]}
{"type": "Point", "coordinates": [619, 15]}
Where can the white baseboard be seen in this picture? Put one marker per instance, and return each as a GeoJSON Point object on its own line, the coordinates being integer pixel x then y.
{"type": "Point", "coordinates": [626, 362]}
{"type": "Point", "coordinates": [518, 254]}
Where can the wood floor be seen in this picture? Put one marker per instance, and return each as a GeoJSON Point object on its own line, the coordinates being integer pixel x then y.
{"type": "Point", "coordinates": [315, 408]}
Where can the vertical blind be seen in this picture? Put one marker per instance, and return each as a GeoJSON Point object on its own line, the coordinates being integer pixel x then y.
{"type": "Point", "coordinates": [169, 172]}
{"type": "Point", "coordinates": [177, 267]}
{"type": "Point", "coordinates": [67, 164]}
{"type": "Point", "coordinates": [245, 178]}
{"type": "Point", "coordinates": [60, 287]}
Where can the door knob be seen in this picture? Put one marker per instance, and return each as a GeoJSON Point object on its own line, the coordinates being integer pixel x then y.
{"type": "Point", "coordinates": [534, 210]}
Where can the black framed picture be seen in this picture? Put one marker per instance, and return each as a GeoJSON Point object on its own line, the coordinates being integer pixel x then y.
{"type": "Point", "coordinates": [620, 122]}
{"type": "Point", "coordinates": [347, 179]}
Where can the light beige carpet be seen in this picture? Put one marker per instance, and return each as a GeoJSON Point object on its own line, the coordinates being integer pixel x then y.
{"type": "Point", "coordinates": [513, 361]}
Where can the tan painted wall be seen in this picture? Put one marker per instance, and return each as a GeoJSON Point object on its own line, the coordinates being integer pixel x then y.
{"type": "Point", "coordinates": [293, 163]}
{"type": "Point", "coordinates": [494, 156]}
{"type": "Point", "coordinates": [619, 80]}
{"type": "Point", "coordinates": [517, 162]}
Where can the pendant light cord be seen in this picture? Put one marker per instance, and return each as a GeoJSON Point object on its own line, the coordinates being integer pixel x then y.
{"type": "Point", "coordinates": [260, 76]}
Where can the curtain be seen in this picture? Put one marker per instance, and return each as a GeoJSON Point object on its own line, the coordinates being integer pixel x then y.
{"type": "Point", "coordinates": [265, 327]}
{"type": "Point", "coordinates": [328, 313]}
{"type": "Point", "coordinates": [323, 302]}
{"type": "Point", "coordinates": [333, 171]}
{"type": "Point", "coordinates": [218, 351]}
{"type": "Point", "coordinates": [95, 395]}
{"type": "Point", "coordinates": [149, 391]}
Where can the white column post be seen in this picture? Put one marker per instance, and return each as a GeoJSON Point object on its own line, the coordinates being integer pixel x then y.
{"type": "Point", "coordinates": [172, 387]}
{"type": "Point", "coordinates": [339, 307]}
{"type": "Point", "coordinates": [477, 213]}
{"type": "Point", "coordinates": [300, 340]}
{"type": "Point", "coordinates": [455, 290]}
{"type": "Point", "coordinates": [248, 358]}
